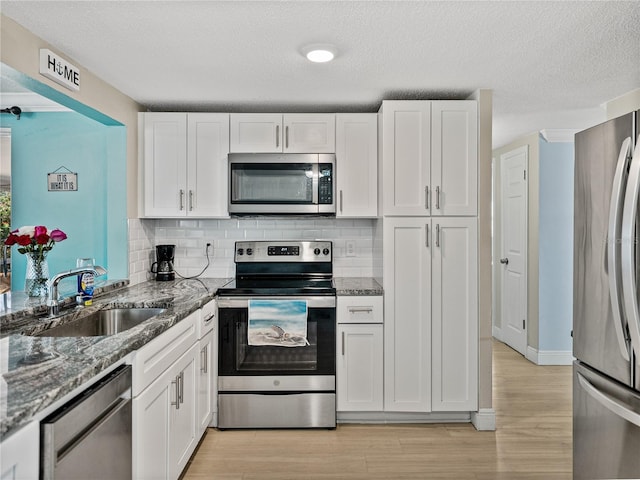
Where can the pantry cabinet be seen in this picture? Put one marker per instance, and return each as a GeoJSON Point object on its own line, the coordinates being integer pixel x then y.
{"type": "Point", "coordinates": [288, 133]}
{"type": "Point", "coordinates": [359, 365]}
{"type": "Point", "coordinates": [357, 164]}
{"type": "Point", "coordinates": [429, 165]}
{"type": "Point", "coordinates": [185, 164]}
{"type": "Point", "coordinates": [431, 314]}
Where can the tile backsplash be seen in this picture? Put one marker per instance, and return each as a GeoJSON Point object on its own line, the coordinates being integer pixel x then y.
{"type": "Point", "coordinates": [191, 236]}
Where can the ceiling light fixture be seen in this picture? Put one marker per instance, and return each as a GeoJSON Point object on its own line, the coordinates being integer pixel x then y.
{"type": "Point", "coordinates": [319, 53]}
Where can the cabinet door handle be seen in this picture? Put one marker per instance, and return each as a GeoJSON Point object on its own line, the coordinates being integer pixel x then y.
{"type": "Point", "coordinates": [181, 199]}
{"type": "Point", "coordinates": [438, 198]}
{"type": "Point", "coordinates": [190, 200]}
{"type": "Point", "coordinates": [277, 136]}
{"type": "Point", "coordinates": [343, 344]}
{"type": "Point", "coordinates": [181, 389]}
{"type": "Point", "coordinates": [437, 235]}
{"type": "Point", "coordinates": [286, 136]}
{"type": "Point", "coordinates": [360, 309]}
{"type": "Point", "coordinates": [204, 357]}
{"type": "Point", "coordinates": [340, 201]}
{"type": "Point", "coordinates": [426, 197]}
{"type": "Point", "coordinates": [426, 235]}
{"type": "Point", "coordinates": [177, 392]}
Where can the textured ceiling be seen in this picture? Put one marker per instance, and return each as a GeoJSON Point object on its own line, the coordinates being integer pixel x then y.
{"type": "Point", "coordinates": [550, 64]}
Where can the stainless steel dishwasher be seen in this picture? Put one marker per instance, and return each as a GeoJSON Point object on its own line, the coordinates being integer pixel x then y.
{"type": "Point", "coordinates": [90, 437]}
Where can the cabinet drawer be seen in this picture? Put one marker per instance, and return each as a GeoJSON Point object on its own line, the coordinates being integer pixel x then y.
{"type": "Point", "coordinates": [207, 321]}
{"type": "Point", "coordinates": [161, 352]}
{"type": "Point", "coordinates": [360, 309]}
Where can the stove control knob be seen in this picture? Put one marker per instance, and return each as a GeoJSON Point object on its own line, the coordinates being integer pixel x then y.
{"type": "Point", "coordinates": [249, 251]}
{"type": "Point", "coordinates": [325, 251]}
{"type": "Point", "coordinates": [316, 251]}
{"type": "Point", "coordinates": [241, 251]}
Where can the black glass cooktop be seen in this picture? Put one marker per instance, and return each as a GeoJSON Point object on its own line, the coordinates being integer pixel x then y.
{"type": "Point", "coordinates": [278, 286]}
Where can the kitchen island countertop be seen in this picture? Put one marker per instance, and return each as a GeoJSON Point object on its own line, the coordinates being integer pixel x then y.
{"type": "Point", "coordinates": [36, 372]}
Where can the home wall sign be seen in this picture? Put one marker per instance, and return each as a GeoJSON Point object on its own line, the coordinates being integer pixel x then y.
{"type": "Point", "coordinates": [56, 68]}
{"type": "Point", "coordinates": [62, 180]}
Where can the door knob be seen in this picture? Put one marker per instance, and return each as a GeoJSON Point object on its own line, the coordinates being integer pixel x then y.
{"type": "Point", "coordinates": [504, 261]}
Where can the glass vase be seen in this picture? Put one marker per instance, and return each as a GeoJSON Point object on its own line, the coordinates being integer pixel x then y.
{"type": "Point", "coordinates": [36, 279]}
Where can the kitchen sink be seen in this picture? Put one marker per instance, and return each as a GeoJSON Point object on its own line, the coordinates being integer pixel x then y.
{"type": "Point", "coordinates": [102, 322]}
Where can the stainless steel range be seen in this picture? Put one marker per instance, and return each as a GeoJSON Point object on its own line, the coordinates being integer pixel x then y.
{"type": "Point", "coordinates": [277, 323]}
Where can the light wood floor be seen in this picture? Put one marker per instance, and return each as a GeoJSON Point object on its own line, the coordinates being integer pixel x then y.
{"type": "Point", "coordinates": [532, 440]}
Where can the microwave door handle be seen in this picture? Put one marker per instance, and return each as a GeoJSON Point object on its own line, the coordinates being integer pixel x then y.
{"type": "Point", "coordinates": [628, 258]}
{"type": "Point", "coordinates": [613, 245]}
{"type": "Point", "coordinates": [314, 185]}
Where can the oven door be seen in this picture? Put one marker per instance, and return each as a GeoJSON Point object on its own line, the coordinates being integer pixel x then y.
{"type": "Point", "coordinates": [237, 358]}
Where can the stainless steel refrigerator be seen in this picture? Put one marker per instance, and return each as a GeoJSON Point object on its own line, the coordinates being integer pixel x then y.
{"type": "Point", "coordinates": [606, 324]}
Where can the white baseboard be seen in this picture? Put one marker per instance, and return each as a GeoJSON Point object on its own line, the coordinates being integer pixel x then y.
{"type": "Point", "coordinates": [549, 357]}
{"type": "Point", "coordinates": [403, 417]}
{"type": "Point", "coordinates": [497, 333]}
{"type": "Point", "coordinates": [484, 419]}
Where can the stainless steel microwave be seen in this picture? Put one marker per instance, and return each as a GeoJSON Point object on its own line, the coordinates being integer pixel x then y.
{"type": "Point", "coordinates": [281, 183]}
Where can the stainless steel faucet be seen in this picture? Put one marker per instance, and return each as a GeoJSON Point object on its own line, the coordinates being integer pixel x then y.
{"type": "Point", "coordinates": [54, 308]}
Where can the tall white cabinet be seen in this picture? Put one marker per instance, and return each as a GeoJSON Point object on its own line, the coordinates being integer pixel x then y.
{"type": "Point", "coordinates": [184, 164]}
{"type": "Point", "coordinates": [428, 199]}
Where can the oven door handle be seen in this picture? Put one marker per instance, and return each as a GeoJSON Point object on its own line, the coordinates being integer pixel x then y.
{"type": "Point", "coordinates": [328, 301]}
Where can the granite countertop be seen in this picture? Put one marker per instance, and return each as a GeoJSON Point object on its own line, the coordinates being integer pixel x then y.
{"type": "Point", "coordinates": [38, 371]}
{"type": "Point", "coordinates": [346, 286]}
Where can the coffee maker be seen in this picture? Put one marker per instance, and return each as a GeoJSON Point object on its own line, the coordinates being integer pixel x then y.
{"type": "Point", "coordinates": [163, 266]}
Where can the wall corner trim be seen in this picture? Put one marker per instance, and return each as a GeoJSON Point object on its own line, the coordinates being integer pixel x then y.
{"type": "Point", "coordinates": [484, 419]}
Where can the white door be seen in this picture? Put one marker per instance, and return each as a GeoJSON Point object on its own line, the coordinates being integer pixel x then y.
{"type": "Point", "coordinates": [454, 157]}
{"type": "Point", "coordinates": [359, 368]}
{"type": "Point", "coordinates": [309, 133]}
{"type": "Point", "coordinates": [182, 431]}
{"type": "Point", "coordinates": [205, 382]}
{"type": "Point", "coordinates": [165, 164]}
{"type": "Point", "coordinates": [357, 164]}
{"type": "Point", "coordinates": [255, 132]}
{"type": "Point", "coordinates": [406, 153]}
{"type": "Point", "coordinates": [207, 150]}
{"type": "Point", "coordinates": [513, 260]}
{"type": "Point", "coordinates": [454, 319]}
{"type": "Point", "coordinates": [407, 314]}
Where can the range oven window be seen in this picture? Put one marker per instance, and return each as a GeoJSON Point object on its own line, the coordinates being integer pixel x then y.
{"type": "Point", "coordinates": [237, 357]}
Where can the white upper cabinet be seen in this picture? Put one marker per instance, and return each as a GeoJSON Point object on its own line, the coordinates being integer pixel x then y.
{"type": "Point", "coordinates": [357, 164]}
{"type": "Point", "coordinates": [289, 133]}
{"type": "Point", "coordinates": [185, 164]}
{"type": "Point", "coordinates": [429, 155]}
{"type": "Point", "coordinates": [454, 157]}
{"type": "Point", "coordinates": [207, 164]}
{"type": "Point", "coordinates": [406, 150]}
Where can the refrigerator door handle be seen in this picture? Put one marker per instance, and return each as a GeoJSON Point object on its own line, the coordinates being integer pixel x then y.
{"type": "Point", "coordinates": [609, 402]}
{"type": "Point", "coordinates": [628, 264]}
{"type": "Point", "coordinates": [613, 247]}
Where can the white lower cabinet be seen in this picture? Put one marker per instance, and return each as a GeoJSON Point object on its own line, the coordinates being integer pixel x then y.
{"type": "Point", "coordinates": [165, 402]}
{"type": "Point", "coordinates": [19, 454]}
{"type": "Point", "coordinates": [359, 364]}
